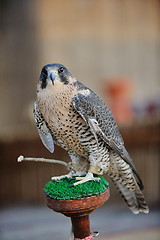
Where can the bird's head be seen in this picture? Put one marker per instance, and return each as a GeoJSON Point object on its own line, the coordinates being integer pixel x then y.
{"type": "Point", "coordinates": [53, 75]}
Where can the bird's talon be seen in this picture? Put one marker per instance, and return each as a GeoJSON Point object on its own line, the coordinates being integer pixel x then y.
{"type": "Point", "coordinates": [59, 178]}
{"type": "Point", "coordinates": [70, 179]}
{"type": "Point", "coordinates": [55, 180]}
{"type": "Point", "coordinates": [66, 178]}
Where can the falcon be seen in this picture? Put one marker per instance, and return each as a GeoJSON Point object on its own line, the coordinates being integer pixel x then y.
{"type": "Point", "coordinates": [71, 115]}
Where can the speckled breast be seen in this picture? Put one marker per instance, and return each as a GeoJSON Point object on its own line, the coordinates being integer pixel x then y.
{"type": "Point", "coordinates": [63, 120]}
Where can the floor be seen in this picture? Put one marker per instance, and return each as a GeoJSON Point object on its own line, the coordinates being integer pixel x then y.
{"type": "Point", "coordinates": [111, 221]}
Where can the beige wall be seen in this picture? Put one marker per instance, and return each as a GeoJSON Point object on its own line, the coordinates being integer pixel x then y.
{"type": "Point", "coordinates": [98, 39]}
{"type": "Point", "coordinates": [95, 39]}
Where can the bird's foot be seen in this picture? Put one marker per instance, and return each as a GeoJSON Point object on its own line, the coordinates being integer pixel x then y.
{"type": "Point", "coordinates": [58, 178]}
{"type": "Point", "coordinates": [88, 177]}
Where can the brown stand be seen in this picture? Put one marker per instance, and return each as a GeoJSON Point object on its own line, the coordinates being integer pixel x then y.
{"type": "Point", "coordinates": [78, 210]}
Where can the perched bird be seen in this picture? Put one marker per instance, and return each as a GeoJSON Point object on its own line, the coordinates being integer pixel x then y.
{"type": "Point", "coordinates": [72, 116]}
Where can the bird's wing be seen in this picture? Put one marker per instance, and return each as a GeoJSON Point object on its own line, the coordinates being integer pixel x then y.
{"type": "Point", "coordinates": [101, 122]}
{"type": "Point", "coordinates": [43, 130]}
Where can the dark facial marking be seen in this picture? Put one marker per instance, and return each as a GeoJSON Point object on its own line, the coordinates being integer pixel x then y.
{"type": "Point", "coordinates": [43, 77]}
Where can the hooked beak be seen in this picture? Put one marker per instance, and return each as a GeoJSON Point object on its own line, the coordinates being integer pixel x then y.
{"type": "Point", "coordinates": [52, 76]}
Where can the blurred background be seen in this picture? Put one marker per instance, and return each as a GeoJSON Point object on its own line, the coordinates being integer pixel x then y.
{"type": "Point", "coordinates": [112, 47]}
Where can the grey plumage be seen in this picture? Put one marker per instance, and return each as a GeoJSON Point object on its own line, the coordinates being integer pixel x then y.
{"type": "Point", "coordinates": [75, 118]}
{"type": "Point", "coordinates": [92, 107]}
{"type": "Point", "coordinates": [43, 130]}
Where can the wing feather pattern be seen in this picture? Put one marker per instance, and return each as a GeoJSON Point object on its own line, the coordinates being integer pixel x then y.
{"type": "Point", "coordinates": [43, 130]}
{"type": "Point", "coordinates": [102, 123]}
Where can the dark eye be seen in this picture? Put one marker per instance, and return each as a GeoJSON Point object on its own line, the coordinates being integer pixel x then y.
{"type": "Point", "coordinates": [61, 70]}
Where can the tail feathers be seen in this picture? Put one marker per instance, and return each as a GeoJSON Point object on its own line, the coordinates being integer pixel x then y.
{"type": "Point", "coordinates": [122, 174]}
{"type": "Point", "coordinates": [134, 199]}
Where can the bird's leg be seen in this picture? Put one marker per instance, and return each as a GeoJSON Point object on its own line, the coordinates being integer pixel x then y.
{"type": "Point", "coordinates": [89, 177]}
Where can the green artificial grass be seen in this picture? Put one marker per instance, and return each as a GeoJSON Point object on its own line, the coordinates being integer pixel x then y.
{"type": "Point", "coordinates": [62, 189]}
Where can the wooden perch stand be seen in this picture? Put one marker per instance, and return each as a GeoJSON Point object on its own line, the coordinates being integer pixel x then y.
{"type": "Point", "coordinates": [78, 210]}
{"type": "Point", "coordinates": [76, 202]}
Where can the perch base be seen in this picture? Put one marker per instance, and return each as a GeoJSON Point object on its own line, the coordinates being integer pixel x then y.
{"type": "Point", "coordinates": [78, 210]}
